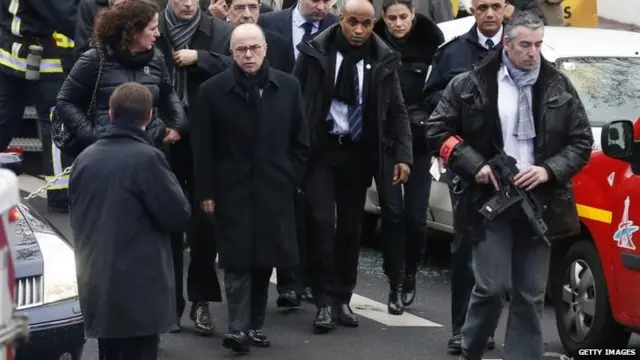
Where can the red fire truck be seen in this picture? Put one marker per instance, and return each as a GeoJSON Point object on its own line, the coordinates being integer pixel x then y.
{"type": "Point", "coordinates": [12, 326]}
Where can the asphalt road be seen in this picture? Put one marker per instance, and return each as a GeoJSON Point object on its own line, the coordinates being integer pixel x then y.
{"type": "Point", "coordinates": [421, 334]}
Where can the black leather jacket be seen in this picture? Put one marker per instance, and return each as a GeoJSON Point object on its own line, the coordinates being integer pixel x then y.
{"type": "Point", "coordinates": [562, 145]}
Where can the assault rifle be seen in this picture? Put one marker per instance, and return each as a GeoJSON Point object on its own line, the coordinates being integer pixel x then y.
{"type": "Point", "coordinates": [504, 168]}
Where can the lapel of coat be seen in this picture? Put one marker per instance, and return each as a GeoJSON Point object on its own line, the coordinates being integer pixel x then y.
{"type": "Point", "coordinates": [284, 29]}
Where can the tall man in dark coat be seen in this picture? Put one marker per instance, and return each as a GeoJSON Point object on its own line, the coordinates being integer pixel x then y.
{"type": "Point", "coordinates": [298, 24]}
{"type": "Point", "coordinates": [190, 41]}
{"type": "Point", "coordinates": [124, 203]}
{"type": "Point", "coordinates": [251, 150]}
{"type": "Point", "coordinates": [359, 130]}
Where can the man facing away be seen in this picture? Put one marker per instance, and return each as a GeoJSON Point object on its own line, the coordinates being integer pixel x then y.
{"type": "Point", "coordinates": [359, 126]}
{"type": "Point", "coordinates": [125, 201]}
{"type": "Point", "coordinates": [521, 104]}
{"type": "Point", "coordinates": [251, 146]}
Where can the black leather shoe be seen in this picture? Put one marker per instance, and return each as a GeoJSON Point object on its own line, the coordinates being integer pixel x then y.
{"type": "Point", "coordinates": [201, 317]}
{"type": "Point", "coordinates": [237, 341]}
{"type": "Point", "coordinates": [323, 323]}
{"type": "Point", "coordinates": [289, 300]}
{"type": "Point", "coordinates": [257, 338]}
{"type": "Point", "coordinates": [409, 289]}
{"type": "Point", "coordinates": [346, 317]}
{"type": "Point", "coordinates": [395, 305]}
{"type": "Point", "coordinates": [307, 294]}
{"type": "Point", "coordinates": [491, 344]}
{"type": "Point", "coordinates": [455, 344]}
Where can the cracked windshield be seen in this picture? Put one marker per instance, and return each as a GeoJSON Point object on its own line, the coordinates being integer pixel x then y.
{"type": "Point", "coordinates": [608, 87]}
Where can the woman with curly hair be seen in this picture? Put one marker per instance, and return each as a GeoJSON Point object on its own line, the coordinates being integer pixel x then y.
{"type": "Point", "coordinates": [124, 52]}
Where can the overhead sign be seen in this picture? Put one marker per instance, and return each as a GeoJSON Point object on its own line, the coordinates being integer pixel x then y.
{"type": "Point", "coordinates": [580, 13]}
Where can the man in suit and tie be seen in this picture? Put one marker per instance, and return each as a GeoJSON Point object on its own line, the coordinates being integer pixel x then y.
{"type": "Point", "coordinates": [299, 23]}
{"type": "Point", "coordinates": [359, 130]}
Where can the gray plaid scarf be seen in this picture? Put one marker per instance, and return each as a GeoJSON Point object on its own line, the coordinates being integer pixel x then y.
{"type": "Point", "coordinates": [181, 32]}
{"type": "Point", "coordinates": [524, 80]}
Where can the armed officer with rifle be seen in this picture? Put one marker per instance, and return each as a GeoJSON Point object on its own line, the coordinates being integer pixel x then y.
{"type": "Point", "coordinates": [515, 131]}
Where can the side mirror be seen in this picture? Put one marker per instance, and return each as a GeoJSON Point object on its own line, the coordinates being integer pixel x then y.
{"type": "Point", "coordinates": [617, 139]}
{"type": "Point", "coordinates": [11, 161]}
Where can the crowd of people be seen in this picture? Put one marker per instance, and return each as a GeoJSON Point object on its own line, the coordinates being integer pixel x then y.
{"type": "Point", "coordinates": [252, 134]}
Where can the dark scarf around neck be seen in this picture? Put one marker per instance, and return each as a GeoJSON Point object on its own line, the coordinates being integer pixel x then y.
{"type": "Point", "coordinates": [251, 84]}
{"type": "Point", "coordinates": [181, 32]}
{"type": "Point", "coordinates": [345, 90]}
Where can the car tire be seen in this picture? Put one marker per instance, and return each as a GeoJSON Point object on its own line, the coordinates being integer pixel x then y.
{"type": "Point", "coordinates": [369, 237]}
{"type": "Point", "coordinates": [604, 332]}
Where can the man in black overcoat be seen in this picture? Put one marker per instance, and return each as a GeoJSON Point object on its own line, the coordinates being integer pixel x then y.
{"type": "Point", "coordinates": [191, 41]}
{"type": "Point", "coordinates": [251, 146]}
{"type": "Point", "coordinates": [125, 201]}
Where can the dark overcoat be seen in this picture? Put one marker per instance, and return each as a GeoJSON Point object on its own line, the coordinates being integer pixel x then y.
{"type": "Point", "coordinates": [249, 159]}
{"type": "Point", "coordinates": [124, 203]}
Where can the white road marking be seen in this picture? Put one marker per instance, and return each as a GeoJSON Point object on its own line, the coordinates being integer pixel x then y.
{"type": "Point", "coordinates": [30, 184]}
{"type": "Point", "coordinates": [378, 312]}
{"type": "Point", "coordinates": [548, 354]}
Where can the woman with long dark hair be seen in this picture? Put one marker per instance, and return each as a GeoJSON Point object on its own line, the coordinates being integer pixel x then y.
{"type": "Point", "coordinates": [416, 38]}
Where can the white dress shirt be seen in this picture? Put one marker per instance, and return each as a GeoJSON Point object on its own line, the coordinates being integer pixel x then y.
{"type": "Point", "coordinates": [297, 31]}
{"type": "Point", "coordinates": [338, 112]}
{"type": "Point", "coordinates": [497, 38]}
{"type": "Point", "coordinates": [521, 150]}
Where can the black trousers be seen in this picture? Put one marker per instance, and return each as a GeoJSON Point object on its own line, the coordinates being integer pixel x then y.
{"type": "Point", "coordinates": [404, 218]}
{"type": "Point", "coordinates": [135, 348]}
{"type": "Point", "coordinates": [247, 292]}
{"type": "Point", "coordinates": [15, 94]}
{"type": "Point", "coordinates": [335, 186]}
{"type": "Point", "coordinates": [297, 278]}
{"type": "Point", "coordinates": [202, 279]}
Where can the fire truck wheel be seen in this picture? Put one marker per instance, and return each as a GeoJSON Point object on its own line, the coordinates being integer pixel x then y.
{"type": "Point", "coordinates": [581, 302]}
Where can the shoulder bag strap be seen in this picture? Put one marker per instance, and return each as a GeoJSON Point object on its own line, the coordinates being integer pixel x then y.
{"type": "Point", "coordinates": [95, 88]}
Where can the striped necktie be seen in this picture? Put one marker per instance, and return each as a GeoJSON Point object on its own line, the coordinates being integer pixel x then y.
{"type": "Point", "coordinates": [355, 111]}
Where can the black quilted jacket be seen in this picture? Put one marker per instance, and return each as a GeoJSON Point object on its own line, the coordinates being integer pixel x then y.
{"type": "Point", "coordinates": [148, 69]}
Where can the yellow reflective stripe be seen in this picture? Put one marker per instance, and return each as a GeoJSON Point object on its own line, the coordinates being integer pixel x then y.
{"type": "Point", "coordinates": [16, 21]}
{"type": "Point", "coordinates": [15, 49]}
{"type": "Point", "coordinates": [63, 41]}
{"type": "Point", "coordinates": [48, 66]}
{"type": "Point", "coordinates": [58, 184]}
{"type": "Point", "coordinates": [595, 214]}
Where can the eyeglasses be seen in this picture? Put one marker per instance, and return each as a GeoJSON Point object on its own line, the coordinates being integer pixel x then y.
{"type": "Point", "coordinates": [243, 49]}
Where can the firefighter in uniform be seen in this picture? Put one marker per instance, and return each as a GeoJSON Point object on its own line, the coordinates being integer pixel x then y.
{"type": "Point", "coordinates": [54, 160]}
{"type": "Point", "coordinates": [31, 70]}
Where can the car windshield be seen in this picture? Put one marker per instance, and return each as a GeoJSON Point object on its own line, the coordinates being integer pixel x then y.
{"type": "Point", "coordinates": [608, 87]}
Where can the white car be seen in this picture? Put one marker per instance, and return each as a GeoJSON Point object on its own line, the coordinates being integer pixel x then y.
{"type": "Point", "coordinates": [603, 65]}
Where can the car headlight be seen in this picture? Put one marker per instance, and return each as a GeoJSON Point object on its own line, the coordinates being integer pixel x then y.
{"type": "Point", "coordinates": [60, 282]}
